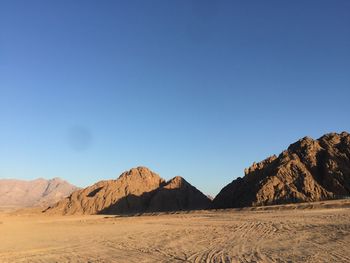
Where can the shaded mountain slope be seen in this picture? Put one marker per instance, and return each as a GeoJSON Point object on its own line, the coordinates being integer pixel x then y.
{"type": "Point", "coordinates": [178, 194]}
{"type": "Point", "coordinates": [309, 170]}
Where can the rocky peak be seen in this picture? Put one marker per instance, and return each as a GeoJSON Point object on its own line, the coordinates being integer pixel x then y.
{"type": "Point", "coordinates": [304, 146]}
{"type": "Point", "coordinates": [260, 165]}
{"type": "Point", "coordinates": [176, 182]}
{"type": "Point", "coordinates": [136, 190]}
{"type": "Point", "coordinates": [139, 173]}
{"type": "Point", "coordinates": [310, 170]}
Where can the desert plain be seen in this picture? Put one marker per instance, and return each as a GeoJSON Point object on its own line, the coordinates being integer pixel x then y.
{"type": "Point", "coordinates": [309, 232]}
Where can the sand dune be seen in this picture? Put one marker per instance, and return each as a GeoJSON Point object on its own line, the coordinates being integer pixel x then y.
{"type": "Point", "coordinates": [317, 232]}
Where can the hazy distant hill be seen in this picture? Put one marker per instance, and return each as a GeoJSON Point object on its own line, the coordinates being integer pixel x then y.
{"type": "Point", "coordinates": [39, 192]}
{"type": "Point", "coordinates": [309, 170]}
{"type": "Point", "coordinates": [137, 190]}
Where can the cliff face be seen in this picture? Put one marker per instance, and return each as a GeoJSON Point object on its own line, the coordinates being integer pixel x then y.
{"type": "Point", "coordinates": [137, 190]}
{"type": "Point", "coordinates": [309, 170]}
{"type": "Point", "coordinates": [39, 192]}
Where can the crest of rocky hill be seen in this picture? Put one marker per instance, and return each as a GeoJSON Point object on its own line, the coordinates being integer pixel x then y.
{"type": "Point", "coordinates": [309, 170]}
{"type": "Point", "coordinates": [137, 190]}
{"type": "Point", "coordinates": [39, 192]}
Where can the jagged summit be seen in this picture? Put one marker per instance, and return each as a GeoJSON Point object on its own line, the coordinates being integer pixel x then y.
{"type": "Point", "coordinates": [309, 170]}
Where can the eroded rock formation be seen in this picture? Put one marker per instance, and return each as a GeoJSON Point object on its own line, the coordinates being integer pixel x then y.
{"type": "Point", "coordinates": [309, 170]}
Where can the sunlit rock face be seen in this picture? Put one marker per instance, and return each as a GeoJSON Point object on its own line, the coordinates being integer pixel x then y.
{"type": "Point", "coordinates": [137, 190]}
{"type": "Point", "coordinates": [309, 170]}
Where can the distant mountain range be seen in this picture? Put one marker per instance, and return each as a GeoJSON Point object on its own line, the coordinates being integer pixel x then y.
{"type": "Point", "coordinates": [39, 192]}
{"type": "Point", "coordinates": [309, 170]}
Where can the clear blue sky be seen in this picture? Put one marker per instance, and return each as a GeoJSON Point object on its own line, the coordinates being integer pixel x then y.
{"type": "Point", "coordinates": [200, 89]}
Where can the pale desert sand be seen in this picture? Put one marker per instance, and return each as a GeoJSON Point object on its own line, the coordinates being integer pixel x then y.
{"type": "Point", "coordinates": [296, 233]}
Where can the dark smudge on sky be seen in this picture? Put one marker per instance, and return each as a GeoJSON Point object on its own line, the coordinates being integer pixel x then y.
{"type": "Point", "coordinates": [79, 138]}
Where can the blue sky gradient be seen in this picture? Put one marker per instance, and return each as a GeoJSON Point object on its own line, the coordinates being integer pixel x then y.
{"type": "Point", "coordinates": [200, 89]}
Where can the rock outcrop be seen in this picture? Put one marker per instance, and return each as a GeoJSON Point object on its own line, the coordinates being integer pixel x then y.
{"type": "Point", "coordinates": [309, 170]}
{"type": "Point", "coordinates": [135, 191]}
{"type": "Point", "coordinates": [39, 192]}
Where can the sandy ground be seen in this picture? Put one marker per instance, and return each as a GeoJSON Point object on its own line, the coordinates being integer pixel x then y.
{"type": "Point", "coordinates": [309, 233]}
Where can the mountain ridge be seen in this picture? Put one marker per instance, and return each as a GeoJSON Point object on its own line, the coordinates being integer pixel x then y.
{"type": "Point", "coordinates": [136, 190]}
{"type": "Point", "coordinates": [309, 170]}
{"type": "Point", "coordinates": [36, 192]}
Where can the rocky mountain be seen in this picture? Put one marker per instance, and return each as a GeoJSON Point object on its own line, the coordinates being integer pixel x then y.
{"type": "Point", "coordinates": [178, 194]}
{"type": "Point", "coordinates": [309, 170]}
{"type": "Point", "coordinates": [39, 192]}
{"type": "Point", "coordinates": [137, 190]}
